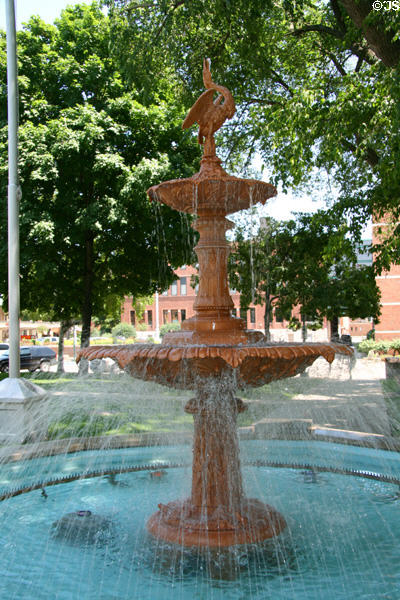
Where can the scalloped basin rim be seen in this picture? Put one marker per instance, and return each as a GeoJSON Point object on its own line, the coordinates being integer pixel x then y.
{"type": "Point", "coordinates": [232, 355]}
{"type": "Point", "coordinates": [212, 192]}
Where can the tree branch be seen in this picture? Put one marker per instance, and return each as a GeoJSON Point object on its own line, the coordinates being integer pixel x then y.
{"type": "Point", "coordinates": [319, 28]}
{"type": "Point", "coordinates": [263, 101]}
{"type": "Point", "coordinates": [337, 64]}
{"type": "Point", "coordinates": [279, 80]}
{"type": "Point", "coordinates": [359, 51]}
{"type": "Point", "coordinates": [370, 156]}
{"type": "Point", "coordinates": [378, 38]}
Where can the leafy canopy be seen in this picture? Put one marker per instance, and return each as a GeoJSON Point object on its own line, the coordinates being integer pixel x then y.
{"type": "Point", "coordinates": [316, 85]}
{"type": "Point", "coordinates": [309, 263]}
{"type": "Point", "coordinates": [90, 146]}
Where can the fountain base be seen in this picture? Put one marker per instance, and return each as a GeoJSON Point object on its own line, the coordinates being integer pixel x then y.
{"type": "Point", "coordinates": [183, 523]}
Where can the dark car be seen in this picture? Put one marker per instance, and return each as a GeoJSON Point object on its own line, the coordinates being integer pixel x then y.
{"type": "Point", "coordinates": [31, 358]}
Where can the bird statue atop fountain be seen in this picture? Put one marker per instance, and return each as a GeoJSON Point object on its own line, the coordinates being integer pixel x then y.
{"type": "Point", "coordinates": [210, 114]}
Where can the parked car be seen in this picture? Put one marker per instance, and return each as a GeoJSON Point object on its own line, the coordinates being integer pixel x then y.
{"type": "Point", "coordinates": [4, 346]}
{"type": "Point", "coordinates": [31, 358]}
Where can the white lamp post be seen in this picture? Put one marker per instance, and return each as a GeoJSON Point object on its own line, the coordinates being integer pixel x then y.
{"type": "Point", "coordinates": [16, 394]}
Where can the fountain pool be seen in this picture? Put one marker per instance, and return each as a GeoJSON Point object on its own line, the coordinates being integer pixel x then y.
{"type": "Point", "coordinates": [302, 521]}
{"type": "Point", "coordinates": [341, 505]}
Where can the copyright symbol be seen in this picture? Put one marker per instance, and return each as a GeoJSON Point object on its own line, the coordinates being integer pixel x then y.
{"type": "Point", "coordinates": [377, 5]}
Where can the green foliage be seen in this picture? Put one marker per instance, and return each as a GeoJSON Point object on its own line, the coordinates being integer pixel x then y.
{"type": "Point", "coordinates": [125, 330]}
{"type": "Point", "coordinates": [310, 263]}
{"type": "Point", "coordinates": [90, 146]}
{"type": "Point", "coordinates": [317, 91]}
{"type": "Point", "coordinates": [139, 305]}
{"type": "Point", "coordinates": [378, 346]}
{"type": "Point", "coordinates": [167, 327]}
{"type": "Point", "coordinates": [86, 424]}
{"type": "Point", "coordinates": [315, 325]}
{"type": "Point", "coordinates": [395, 345]}
{"type": "Point", "coordinates": [294, 324]}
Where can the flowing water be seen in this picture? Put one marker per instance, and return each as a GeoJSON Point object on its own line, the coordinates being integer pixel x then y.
{"type": "Point", "coordinates": [86, 537]}
{"type": "Point", "coordinates": [341, 540]}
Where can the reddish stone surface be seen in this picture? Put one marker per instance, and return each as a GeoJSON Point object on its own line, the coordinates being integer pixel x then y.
{"type": "Point", "coordinates": [182, 523]}
{"type": "Point", "coordinates": [388, 282]}
{"type": "Point", "coordinates": [213, 354]}
{"type": "Point", "coordinates": [183, 366]}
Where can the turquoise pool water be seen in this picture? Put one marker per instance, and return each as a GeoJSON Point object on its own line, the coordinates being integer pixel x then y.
{"type": "Point", "coordinates": [342, 539]}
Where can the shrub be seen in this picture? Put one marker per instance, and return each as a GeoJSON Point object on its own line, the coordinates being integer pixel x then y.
{"type": "Point", "coordinates": [395, 346]}
{"type": "Point", "coordinates": [141, 326]}
{"type": "Point", "coordinates": [379, 346]}
{"type": "Point", "coordinates": [167, 327]}
{"type": "Point", "coordinates": [294, 324]}
{"type": "Point", "coordinates": [124, 330]}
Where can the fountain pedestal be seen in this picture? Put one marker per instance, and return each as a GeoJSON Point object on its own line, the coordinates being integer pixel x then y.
{"type": "Point", "coordinates": [217, 512]}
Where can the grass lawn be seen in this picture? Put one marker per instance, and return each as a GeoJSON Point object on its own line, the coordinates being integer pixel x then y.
{"type": "Point", "coordinates": [118, 404]}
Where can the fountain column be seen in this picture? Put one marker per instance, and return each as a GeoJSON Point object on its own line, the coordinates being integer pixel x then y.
{"type": "Point", "coordinates": [216, 476]}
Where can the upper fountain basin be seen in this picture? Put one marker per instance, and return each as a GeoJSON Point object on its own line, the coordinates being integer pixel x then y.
{"type": "Point", "coordinates": [184, 366]}
{"type": "Point", "coordinates": [211, 191]}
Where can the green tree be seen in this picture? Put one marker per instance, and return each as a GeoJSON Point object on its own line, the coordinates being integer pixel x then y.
{"type": "Point", "coordinates": [256, 269]}
{"type": "Point", "coordinates": [316, 85]}
{"type": "Point", "coordinates": [322, 271]}
{"type": "Point", "coordinates": [90, 146]}
{"type": "Point", "coordinates": [309, 263]}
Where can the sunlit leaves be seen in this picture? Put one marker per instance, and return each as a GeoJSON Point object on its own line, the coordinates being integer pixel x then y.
{"type": "Point", "coordinates": [90, 146]}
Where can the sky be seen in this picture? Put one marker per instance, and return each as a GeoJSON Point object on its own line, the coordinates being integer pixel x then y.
{"type": "Point", "coordinates": [48, 10]}
{"type": "Point", "coordinates": [279, 208]}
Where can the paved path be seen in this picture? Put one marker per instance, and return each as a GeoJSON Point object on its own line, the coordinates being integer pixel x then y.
{"type": "Point", "coordinates": [355, 404]}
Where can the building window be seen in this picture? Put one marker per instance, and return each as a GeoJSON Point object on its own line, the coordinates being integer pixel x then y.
{"type": "Point", "coordinates": [165, 293]}
{"type": "Point", "coordinates": [183, 314]}
{"type": "Point", "coordinates": [133, 317]}
{"type": "Point", "coordinates": [278, 316]}
{"type": "Point", "coordinates": [174, 316]}
{"type": "Point", "coordinates": [234, 312]}
{"type": "Point", "coordinates": [150, 318]}
{"type": "Point", "coordinates": [243, 314]}
{"type": "Point", "coordinates": [165, 316]}
{"type": "Point", "coordinates": [183, 286]}
{"type": "Point", "coordinates": [252, 315]}
{"type": "Point", "coordinates": [196, 289]}
{"type": "Point", "coordinates": [174, 288]}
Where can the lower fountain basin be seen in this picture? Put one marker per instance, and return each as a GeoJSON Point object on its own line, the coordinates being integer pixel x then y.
{"type": "Point", "coordinates": [341, 539]}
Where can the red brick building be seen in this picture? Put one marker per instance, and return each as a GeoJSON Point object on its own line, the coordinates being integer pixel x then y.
{"type": "Point", "coordinates": [389, 283]}
{"type": "Point", "coordinates": [176, 304]}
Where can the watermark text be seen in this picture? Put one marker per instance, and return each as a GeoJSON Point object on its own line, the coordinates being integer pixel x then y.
{"type": "Point", "coordinates": [386, 5]}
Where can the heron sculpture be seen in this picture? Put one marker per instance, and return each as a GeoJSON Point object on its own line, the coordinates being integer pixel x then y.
{"type": "Point", "coordinates": [210, 114]}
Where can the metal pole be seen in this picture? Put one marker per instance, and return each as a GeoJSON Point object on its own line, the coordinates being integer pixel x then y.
{"type": "Point", "coordinates": [13, 194]}
{"type": "Point", "coordinates": [74, 341]}
{"type": "Point", "coordinates": [157, 336]}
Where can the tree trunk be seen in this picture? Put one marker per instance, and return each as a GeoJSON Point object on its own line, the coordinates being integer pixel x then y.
{"type": "Point", "coordinates": [379, 39]}
{"type": "Point", "coordinates": [64, 326]}
{"type": "Point", "coordinates": [267, 318]}
{"type": "Point", "coordinates": [303, 328]}
{"type": "Point", "coordinates": [334, 329]}
{"type": "Point", "coordinates": [87, 306]}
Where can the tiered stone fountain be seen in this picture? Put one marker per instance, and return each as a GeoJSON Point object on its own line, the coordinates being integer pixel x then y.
{"type": "Point", "coordinates": [213, 354]}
